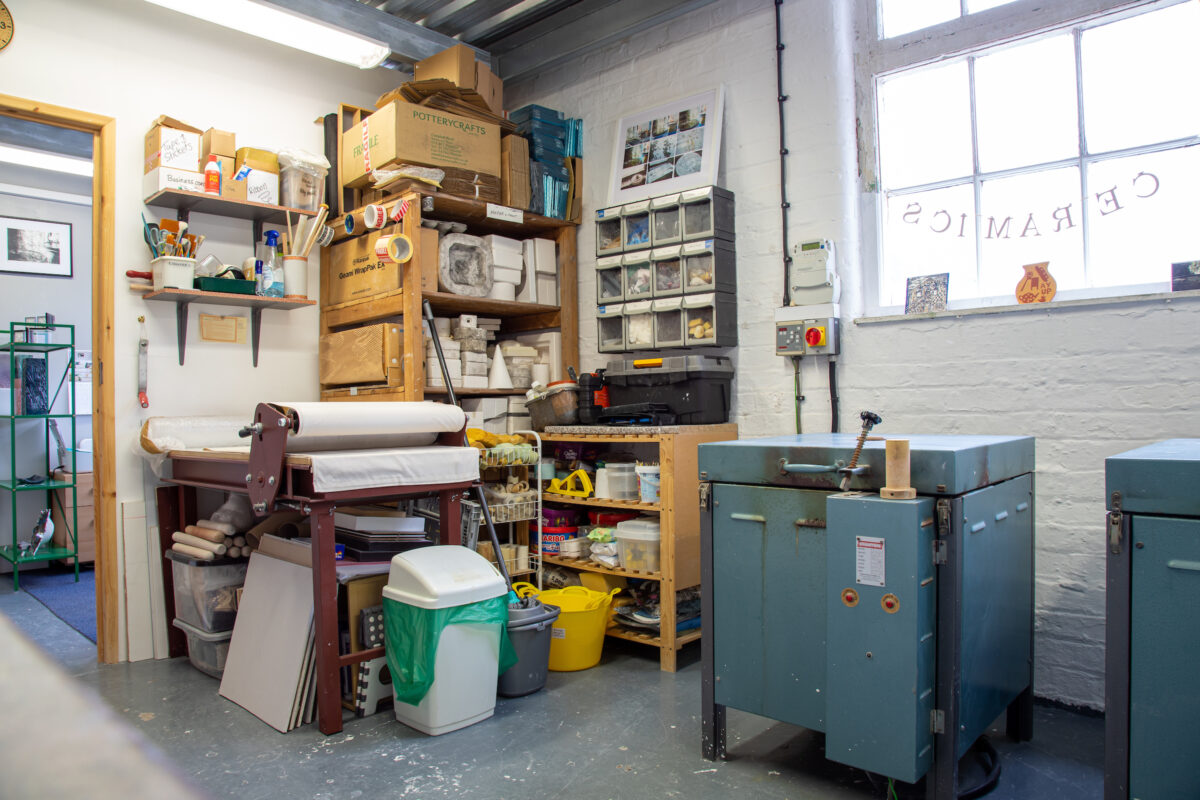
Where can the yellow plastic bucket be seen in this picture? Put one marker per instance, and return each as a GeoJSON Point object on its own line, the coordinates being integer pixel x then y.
{"type": "Point", "coordinates": [577, 637]}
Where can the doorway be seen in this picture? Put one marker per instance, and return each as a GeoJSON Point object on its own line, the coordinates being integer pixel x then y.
{"type": "Point", "coordinates": [71, 128]}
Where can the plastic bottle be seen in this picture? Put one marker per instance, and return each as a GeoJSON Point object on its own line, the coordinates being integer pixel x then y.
{"type": "Point", "coordinates": [212, 176]}
{"type": "Point", "coordinates": [258, 276]}
{"type": "Point", "coordinates": [272, 280]}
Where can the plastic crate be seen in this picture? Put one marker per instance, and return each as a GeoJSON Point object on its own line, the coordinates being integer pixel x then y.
{"type": "Point", "coordinates": [206, 591]}
{"type": "Point", "coordinates": [206, 650]}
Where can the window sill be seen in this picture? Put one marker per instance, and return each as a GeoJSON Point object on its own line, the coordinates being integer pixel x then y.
{"type": "Point", "coordinates": [1089, 302]}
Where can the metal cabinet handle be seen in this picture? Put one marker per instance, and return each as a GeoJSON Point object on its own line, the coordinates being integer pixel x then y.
{"type": "Point", "coordinates": [748, 517]}
{"type": "Point", "coordinates": [807, 468]}
{"type": "Point", "coordinates": [1001, 515]}
{"type": "Point", "coordinates": [1190, 566]}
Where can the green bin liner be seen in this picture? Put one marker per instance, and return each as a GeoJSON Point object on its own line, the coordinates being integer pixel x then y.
{"type": "Point", "coordinates": [412, 636]}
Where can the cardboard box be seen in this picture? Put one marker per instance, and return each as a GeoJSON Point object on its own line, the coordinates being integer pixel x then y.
{"type": "Point", "coordinates": [515, 191]}
{"type": "Point", "coordinates": [85, 498]}
{"type": "Point", "coordinates": [261, 186]}
{"type": "Point", "coordinates": [429, 259]}
{"type": "Point", "coordinates": [404, 133]}
{"type": "Point", "coordinates": [171, 143]}
{"type": "Point", "coordinates": [254, 158]}
{"type": "Point", "coordinates": [354, 272]}
{"type": "Point", "coordinates": [160, 178]}
{"type": "Point", "coordinates": [370, 354]}
{"type": "Point", "coordinates": [455, 64]}
{"type": "Point", "coordinates": [221, 143]}
{"type": "Point", "coordinates": [490, 88]}
{"type": "Point", "coordinates": [230, 189]}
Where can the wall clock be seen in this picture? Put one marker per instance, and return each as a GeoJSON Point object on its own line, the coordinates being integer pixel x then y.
{"type": "Point", "coordinates": [6, 25]}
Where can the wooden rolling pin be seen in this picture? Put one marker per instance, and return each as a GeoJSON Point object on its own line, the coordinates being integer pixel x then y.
{"type": "Point", "coordinates": [205, 533]}
{"type": "Point", "coordinates": [197, 542]}
{"type": "Point", "coordinates": [193, 552]}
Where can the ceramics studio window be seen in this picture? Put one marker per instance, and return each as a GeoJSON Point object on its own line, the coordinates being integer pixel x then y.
{"type": "Point", "coordinates": [1074, 142]}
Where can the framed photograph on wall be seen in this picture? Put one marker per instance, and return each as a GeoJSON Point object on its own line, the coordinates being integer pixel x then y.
{"type": "Point", "coordinates": [35, 247]}
{"type": "Point", "coordinates": [669, 148]}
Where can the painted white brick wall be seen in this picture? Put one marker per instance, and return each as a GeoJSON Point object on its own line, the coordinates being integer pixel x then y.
{"type": "Point", "coordinates": [1087, 382]}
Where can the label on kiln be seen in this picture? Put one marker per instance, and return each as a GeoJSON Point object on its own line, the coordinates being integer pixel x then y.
{"type": "Point", "coordinates": [869, 560]}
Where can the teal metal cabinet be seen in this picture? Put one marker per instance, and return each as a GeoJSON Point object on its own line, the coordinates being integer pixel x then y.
{"type": "Point", "coordinates": [1152, 694]}
{"type": "Point", "coordinates": [899, 628]}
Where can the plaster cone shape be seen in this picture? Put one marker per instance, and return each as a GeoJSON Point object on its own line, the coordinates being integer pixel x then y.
{"type": "Point", "coordinates": [498, 379]}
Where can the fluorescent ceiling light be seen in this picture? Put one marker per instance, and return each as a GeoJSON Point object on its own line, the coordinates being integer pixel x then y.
{"type": "Point", "coordinates": [284, 27]}
{"type": "Point", "coordinates": [40, 159]}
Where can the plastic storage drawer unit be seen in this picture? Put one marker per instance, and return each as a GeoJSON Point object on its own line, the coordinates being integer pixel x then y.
{"type": "Point", "coordinates": [639, 325]}
{"type": "Point", "coordinates": [635, 225]}
{"type": "Point", "coordinates": [608, 231]}
{"type": "Point", "coordinates": [639, 280]}
{"type": "Point", "coordinates": [610, 328]}
{"type": "Point", "coordinates": [709, 265]}
{"type": "Point", "coordinates": [665, 225]}
{"type": "Point", "coordinates": [707, 213]}
{"type": "Point", "coordinates": [668, 271]}
{"type": "Point", "coordinates": [610, 280]}
{"type": "Point", "coordinates": [206, 650]}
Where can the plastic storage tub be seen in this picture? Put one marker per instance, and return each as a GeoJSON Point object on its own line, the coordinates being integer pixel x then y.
{"type": "Point", "coordinates": [577, 638]}
{"type": "Point", "coordinates": [206, 591]}
{"type": "Point", "coordinates": [206, 650]}
{"type": "Point", "coordinates": [445, 577]}
{"type": "Point", "coordinates": [553, 537]}
{"type": "Point", "coordinates": [638, 544]}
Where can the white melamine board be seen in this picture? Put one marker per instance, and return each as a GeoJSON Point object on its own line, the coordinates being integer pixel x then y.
{"type": "Point", "coordinates": [158, 607]}
{"type": "Point", "coordinates": [270, 640]}
{"type": "Point", "coordinates": [139, 630]}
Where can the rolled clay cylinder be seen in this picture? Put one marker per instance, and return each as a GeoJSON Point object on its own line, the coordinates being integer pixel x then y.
{"type": "Point", "coordinates": [205, 533]}
{"type": "Point", "coordinates": [223, 527]}
{"type": "Point", "coordinates": [197, 542]}
{"type": "Point", "coordinates": [239, 541]}
{"type": "Point", "coordinates": [234, 552]}
{"type": "Point", "coordinates": [193, 552]}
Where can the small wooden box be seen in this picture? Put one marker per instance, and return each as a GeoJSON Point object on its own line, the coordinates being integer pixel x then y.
{"type": "Point", "coordinates": [366, 355]}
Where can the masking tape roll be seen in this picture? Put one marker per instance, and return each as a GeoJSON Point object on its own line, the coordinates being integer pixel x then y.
{"type": "Point", "coordinates": [395, 248]}
{"type": "Point", "coordinates": [374, 216]}
{"type": "Point", "coordinates": [325, 237]}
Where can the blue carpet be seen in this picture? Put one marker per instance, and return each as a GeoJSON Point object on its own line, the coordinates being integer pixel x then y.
{"type": "Point", "coordinates": [73, 603]}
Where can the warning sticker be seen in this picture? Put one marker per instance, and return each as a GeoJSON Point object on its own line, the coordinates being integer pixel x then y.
{"type": "Point", "coordinates": [869, 561]}
{"type": "Point", "coordinates": [558, 633]}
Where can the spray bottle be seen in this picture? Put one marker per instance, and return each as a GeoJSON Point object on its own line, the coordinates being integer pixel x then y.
{"type": "Point", "coordinates": [272, 280]}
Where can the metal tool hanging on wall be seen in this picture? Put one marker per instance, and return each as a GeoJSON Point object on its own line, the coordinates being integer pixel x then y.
{"type": "Point", "coordinates": [143, 366]}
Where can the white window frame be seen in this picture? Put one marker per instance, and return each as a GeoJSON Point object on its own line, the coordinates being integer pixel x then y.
{"type": "Point", "coordinates": [971, 33]}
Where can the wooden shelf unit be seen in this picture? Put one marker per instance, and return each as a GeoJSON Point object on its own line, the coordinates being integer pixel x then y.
{"type": "Point", "coordinates": [405, 303]}
{"type": "Point", "coordinates": [679, 519]}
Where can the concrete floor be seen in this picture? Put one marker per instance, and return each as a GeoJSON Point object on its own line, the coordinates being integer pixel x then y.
{"type": "Point", "coordinates": [622, 730]}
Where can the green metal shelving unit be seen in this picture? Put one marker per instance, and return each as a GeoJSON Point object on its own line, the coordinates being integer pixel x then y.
{"type": "Point", "coordinates": [18, 347]}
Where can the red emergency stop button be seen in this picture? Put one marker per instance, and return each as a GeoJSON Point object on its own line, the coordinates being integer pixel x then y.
{"type": "Point", "coordinates": [890, 603]}
{"type": "Point", "coordinates": [815, 336]}
{"type": "Point", "coordinates": [850, 597]}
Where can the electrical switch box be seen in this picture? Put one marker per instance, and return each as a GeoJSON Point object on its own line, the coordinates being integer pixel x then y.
{"type": "Point", "coordinates": [807, 333]}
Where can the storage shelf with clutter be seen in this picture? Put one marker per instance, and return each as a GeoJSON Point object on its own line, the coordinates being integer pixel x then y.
{"type": "Point", "coordinates": [659, 542]}
{"type": "Point", "coordinates": [512, 487]}
{"type": "Point", "coordinates": [666, 273]}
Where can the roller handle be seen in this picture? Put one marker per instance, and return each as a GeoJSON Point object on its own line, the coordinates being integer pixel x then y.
{"type": "Point", "coordinates": [251, 430]}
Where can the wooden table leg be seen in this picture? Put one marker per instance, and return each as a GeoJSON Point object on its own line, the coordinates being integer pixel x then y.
{"type": "Point", "coordinates": [329, 701]}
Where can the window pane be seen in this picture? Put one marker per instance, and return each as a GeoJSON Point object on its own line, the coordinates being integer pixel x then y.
{"type": "Point", "coordinates": [1144, 218]}
{"type": "Point", "coordinates": [1136, 74]}
{"type": "Point", "coordinates": [983, 5]}
{"type": "Point", "coordinates": [1025, 104]}
{"type": "Point", "coordinates": [926, 234]}
{"type": "Point", "coordinates": [906, 16]}
{"type": "Point", "coordinates": [925, 126]}
{"type": "Point", "coordinates": [1026, 219]}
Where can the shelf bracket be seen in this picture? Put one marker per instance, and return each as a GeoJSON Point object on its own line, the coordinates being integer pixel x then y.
{"type": "Point", "coordinates": [181, 322]}
{"type": "Point", "coordinates": [182, 213]}
{"type": "Point", "coordinates": [255, 332]}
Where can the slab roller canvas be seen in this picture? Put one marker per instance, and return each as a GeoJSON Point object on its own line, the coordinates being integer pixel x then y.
{"type": "Point", "coordinates": [270, 640]}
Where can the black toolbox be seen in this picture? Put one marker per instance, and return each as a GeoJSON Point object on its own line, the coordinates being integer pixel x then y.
{"type": "Point", "coordinates": [696, 388]}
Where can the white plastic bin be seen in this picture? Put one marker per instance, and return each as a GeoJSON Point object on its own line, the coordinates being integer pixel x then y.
{"type": "Point", "coordinates": [445, 577]}
{"type": "Point", "coordinates": [638, 544]}
{"type": "Point", "coordinates": [206, 650]}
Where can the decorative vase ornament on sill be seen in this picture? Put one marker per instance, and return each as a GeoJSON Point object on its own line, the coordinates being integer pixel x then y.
{"type": "Point", "coordinates": [1037, 285]}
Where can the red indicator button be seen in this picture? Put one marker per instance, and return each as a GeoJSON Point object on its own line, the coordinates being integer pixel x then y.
{"type": "Point", "coordinates": [814, 337]}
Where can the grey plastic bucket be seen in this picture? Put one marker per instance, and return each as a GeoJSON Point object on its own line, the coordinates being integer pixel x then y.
{"type": "Point", "coordinates": [529, 632]}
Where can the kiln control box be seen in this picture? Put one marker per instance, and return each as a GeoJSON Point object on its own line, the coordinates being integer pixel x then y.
{"type": "Point", "coordinates": [805, 335]}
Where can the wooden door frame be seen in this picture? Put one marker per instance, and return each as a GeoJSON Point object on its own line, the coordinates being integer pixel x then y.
{"type": "Point", "coordinates": [103, 131]}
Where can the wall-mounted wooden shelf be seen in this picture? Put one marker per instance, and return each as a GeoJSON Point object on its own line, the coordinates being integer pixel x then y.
{"type": "Point", "coordinates": [183, 298]}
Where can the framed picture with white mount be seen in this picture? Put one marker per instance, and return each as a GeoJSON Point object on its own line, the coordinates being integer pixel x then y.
{"type": "Point", "coordinates": [669, 148]}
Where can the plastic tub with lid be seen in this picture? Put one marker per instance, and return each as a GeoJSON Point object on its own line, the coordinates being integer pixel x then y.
{"type": "Point", "coordinates": [638, 544]}
{"type": "Point", "coordinates": [455, 592]}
